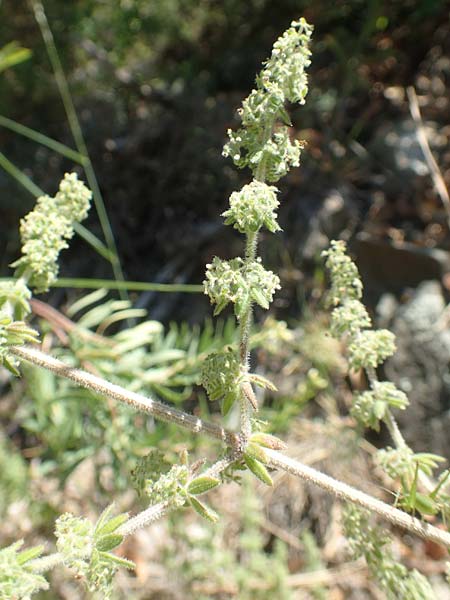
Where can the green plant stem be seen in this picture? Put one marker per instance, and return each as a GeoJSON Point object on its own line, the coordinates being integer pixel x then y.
{"type": "Point", "coordinates": [80, 143]}
{"type": "Point", "coordinates": [186, 288]}
{"type": "Point", "coordinates": [137, 401]}
{"type": "Point", "coordinates": [145, 518]}
{"type": "Point", "coordinates": [45, 563]}
{"type": "Point", "coordinates": [17, 174]}
{"type": "Point", "coordinates": [245, 324]}
{"type": "Point", "coordinates": [345, 492]}
{"type": "Point", "coordinates": [196, 425]}
{"type": "Point", "coordinates": [111, 284]}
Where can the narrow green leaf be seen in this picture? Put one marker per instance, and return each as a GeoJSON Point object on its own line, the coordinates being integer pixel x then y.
{"type": "Point", "coordinates": [267, 440]}
{"type": "Point", "coordinates": [259, 298]}
{"type": "Point", "coordinates": [118, 560]}
{"type": "Point", "coordinates": [29, 554]}
{"type": "Point", "coordinates": [227, 402]}
{"type": "Point", "coordinates": [425, 505]}
{"type": "Point", "coordinates": [203, 510]}
{"type": "Point", "coordinates": [258, 469]}
{"type": "Point", "coordinates": [255, 451]}
{"type": "Point", "coordinates": [111, 525]}
{"type": "Point", "coordinates": [10, 366]}
{"type": "Point", "coordinates": [42, 139]}
{"type": "Point", "coordinates": [261, 381]}
{"type": "Point", "coordinates": [202, 484]}
{"type": "Point", "coordinates": [107, 542]}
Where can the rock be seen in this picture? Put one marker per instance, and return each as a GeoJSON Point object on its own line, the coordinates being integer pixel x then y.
{"type": "Point", "coordinates": [392, 267]}
{"type": "Point", "coordinates": [420, 367]}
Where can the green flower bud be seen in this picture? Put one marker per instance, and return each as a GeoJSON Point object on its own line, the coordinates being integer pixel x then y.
{"type": "Point", "coordinates": [371, 348]}
{"type": "Point", "coordinates": [75, 541]}
{"type": "Point", "coordinates": [159, 480]}
{"type": "Point", "coordinates": [253, 207]}
{"type": "Point", "coordinates": [261, 283]}
{"type": "Point", "coordinates": [13, 333]}
{"type": "Point", "coordinates": [225, 283]}
{"type": "Point", "coordinates": [397, 462]}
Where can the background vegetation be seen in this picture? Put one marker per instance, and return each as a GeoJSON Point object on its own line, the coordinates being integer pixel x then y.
{"type": "Point", "coordinates": [155, 86]}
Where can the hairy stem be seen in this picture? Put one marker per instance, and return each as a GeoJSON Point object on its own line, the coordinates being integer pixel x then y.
{"type": "Point", "coordinates": [244, 341]}
{"type": "Point", "coordinates": [137, 401]}
{"type": "Point", "coordinates": [277, 460]}
{"type": "Point", "coordinates": [346, 492]}
{"type": "Point", "coordinates": [144, 518]}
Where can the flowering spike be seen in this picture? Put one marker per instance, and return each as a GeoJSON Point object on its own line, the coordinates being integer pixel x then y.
{"type": "Point", "coordinates": [45, 231]}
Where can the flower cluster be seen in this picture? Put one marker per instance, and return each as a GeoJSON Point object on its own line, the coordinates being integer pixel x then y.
{"type": "Point", "coordinates": [373, 543]}
{"type": "Point", "coordinates": [346, 283]}
{"type": "Point", "coordinates": [367, 348]}
{"type": "Point", "coordinates": [45, 231]}
{"type": "Point", "coordinates": [371, 406]}
{"type": "Point", "coordinates": [13, 333]}
{"type": "Point", "coordinates": [155, 477]}
{"type": "Point", "coordinates": [17, 580]}
{"type": "Point", "coordinates": [371, 348]}
{"type": "Point", "coordinates": [253, 207]}
{"type": "Point", "coordinates": [221, 376]}
{"type": "Point", "coordinates": [263, 140]}
{"type": "Point", "coordinates": [86, 548]}
{"type": "Point", "coordinates": [173, 484]}
{"type": "Point", "coordinates": [239, 282]}
{"type": "Point", "coordinates": [14, 298]}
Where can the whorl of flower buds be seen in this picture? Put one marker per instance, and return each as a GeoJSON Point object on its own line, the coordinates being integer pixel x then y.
{"type": "Point", "coordinates": [253, 207]}
{"type": "Point", "coordinates": [44, 231]}
{"type": "Point", "coordinates": [371, 406]}
{"type": "Point", "coordinates": [371, 348]}
{"type": "Point", "coordinates": [221, 376]}
{"type": "Point", "coordinates": [240, 283]}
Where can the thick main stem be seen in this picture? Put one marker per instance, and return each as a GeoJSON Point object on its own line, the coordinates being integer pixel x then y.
{"type": "Point", "coordinates": [137, 401]}
{"type": "Point", "coordinates": [277, 460]}
{"type": "Point", "coordinates": [244, 341]}
{"type": "Point", "coordinates": [245, 325]}
{"type": "Point", "coordinates": [346, 492]}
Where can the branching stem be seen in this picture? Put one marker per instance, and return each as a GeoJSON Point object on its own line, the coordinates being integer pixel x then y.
{"type": "Point", "coordinates": [279, 461]}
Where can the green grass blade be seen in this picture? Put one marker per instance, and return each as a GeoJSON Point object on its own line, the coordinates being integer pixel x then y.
{"type": "Point", "coordinates": [20, 177]}
{"type": "Point", "coordinates": [12, 54]}
{"type": "Point", "coordinates": [131, 286]}
{"type": "Point", "coordinates": [94, 242]}
{"type": "Point", "coordinates": [42, 139]}
{"type": "Point", "coordinates": [77, 134]}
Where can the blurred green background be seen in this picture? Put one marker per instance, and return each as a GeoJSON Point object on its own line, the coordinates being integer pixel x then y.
{"type": "Point", "coordinates": [155, 84]}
